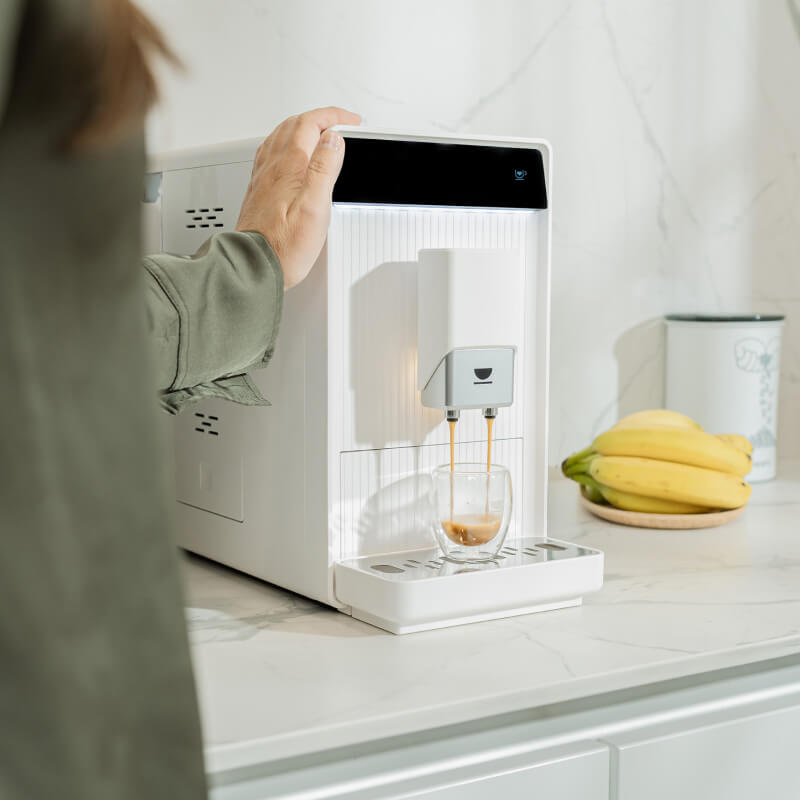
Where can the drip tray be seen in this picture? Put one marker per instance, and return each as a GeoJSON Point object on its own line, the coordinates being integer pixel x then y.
{"type": "Point", "coordinates": [418, 590]}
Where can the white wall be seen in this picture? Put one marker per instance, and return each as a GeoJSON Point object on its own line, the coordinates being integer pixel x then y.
{"type": "Point", "coordinates": [675, 127]}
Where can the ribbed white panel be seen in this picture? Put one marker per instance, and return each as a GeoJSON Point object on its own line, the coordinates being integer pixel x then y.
{"type": "Point", "coordinates": [372, 254]}
{"type": "Point", "coordinates": [382, 507]}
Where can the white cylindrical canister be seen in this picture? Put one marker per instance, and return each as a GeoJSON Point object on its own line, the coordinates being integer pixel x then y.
{"type": "Point", "coordinates": [722, 370]}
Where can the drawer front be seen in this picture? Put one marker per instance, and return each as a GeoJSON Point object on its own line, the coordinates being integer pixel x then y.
{"type": "Point", "coordinates": [581, 776]}
{"type": "Point", "coordinates": [731, 756]}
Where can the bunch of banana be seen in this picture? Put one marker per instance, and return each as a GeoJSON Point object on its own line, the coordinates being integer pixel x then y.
{"type": "Point", "coordinates": [662, 462]}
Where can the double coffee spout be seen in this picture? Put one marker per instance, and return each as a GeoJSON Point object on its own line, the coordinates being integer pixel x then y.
{"type": "Point", "coordinates": [453, 414]}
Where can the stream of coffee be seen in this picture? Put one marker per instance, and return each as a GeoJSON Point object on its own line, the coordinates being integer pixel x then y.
{"type": "Point", "coordinates": [452, 424]}
{"type": "Point", "coordinates": [489, 422]}
{"type": "Point", "coordinates": [471, 529]}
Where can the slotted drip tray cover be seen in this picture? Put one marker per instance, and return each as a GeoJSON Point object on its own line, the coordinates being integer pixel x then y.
{"type": "Point", "coordinates": [418, 589]}
{"type": "Point", "coordinates": [414, 565]}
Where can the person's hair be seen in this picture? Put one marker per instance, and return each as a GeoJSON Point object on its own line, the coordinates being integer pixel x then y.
{"type": "Point", "coordinates": [119, 76]}
{"type": "Point", "coordinates": [95, 65]}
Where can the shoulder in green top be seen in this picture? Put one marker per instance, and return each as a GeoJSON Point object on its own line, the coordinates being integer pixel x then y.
{"type": "Point", "coordinates": [97, 698]}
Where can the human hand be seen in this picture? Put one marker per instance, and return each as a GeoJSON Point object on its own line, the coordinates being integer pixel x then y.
{"type": "Point", "coordinates": [288, 199]}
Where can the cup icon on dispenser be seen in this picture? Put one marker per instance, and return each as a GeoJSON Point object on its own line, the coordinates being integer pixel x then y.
{"type": "Point", "coordinates": [520, 174]}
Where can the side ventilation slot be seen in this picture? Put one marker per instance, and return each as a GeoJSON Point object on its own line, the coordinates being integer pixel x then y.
{"type": "Point", "coordinates": [206, 423]}
{"type": "Point", "coordinates": [204, 217]}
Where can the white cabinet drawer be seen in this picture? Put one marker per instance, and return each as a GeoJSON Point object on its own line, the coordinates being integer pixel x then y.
{"type": "Point", "coordinates": [560, 774]}
{"type": "Point", "coordinates": [735, 754]}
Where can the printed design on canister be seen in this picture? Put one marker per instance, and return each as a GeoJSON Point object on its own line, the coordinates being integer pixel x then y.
{"type": "Point", "coordinates": [761, 358]}
{"type": "Point", "coordinates": [763, 438]}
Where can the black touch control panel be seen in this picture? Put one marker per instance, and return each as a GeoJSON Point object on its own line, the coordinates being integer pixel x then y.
{"type": "Point", "coordinates": [391, 172]}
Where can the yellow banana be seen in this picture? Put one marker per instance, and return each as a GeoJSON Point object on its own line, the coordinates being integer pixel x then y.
{"type": "Point", "coordinates": [668, 480]}
{"type": "Point", "coordinates": [648, 505]}
{"type": "Point", "coordinates": [736, 440]}
{"type": "Point", "coordinates": [656, 417]}
{"type": "Point", "coordinates": [681, 445]}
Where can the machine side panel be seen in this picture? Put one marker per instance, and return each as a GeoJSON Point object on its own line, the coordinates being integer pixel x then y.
{"type": "Point", "coordinates": [251, 480]}
{"type": "Point", "coordinates": [199, 202]}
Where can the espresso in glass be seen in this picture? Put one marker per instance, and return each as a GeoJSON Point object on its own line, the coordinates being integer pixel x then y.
{"type": "Point", "coordinates": [472, 529]}
{"type": "Point", "coordinates": [471, 509]}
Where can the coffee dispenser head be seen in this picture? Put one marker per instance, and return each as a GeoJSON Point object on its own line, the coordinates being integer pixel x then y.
{"type": "Point", "coordinates": [479, 377]}
{"type": "Point", "coordinates": [469, 325]}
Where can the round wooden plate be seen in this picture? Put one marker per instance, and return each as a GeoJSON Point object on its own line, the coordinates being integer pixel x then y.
{"type": "Point", "coordinates": [676, 522]}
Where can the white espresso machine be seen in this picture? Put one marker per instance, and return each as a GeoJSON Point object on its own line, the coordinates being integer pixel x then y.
{"type": "Point", "coordinates": [429, 301]}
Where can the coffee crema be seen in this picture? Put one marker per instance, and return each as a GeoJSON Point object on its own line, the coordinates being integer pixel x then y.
{"type": "Point", "coordinates": [472, 529]}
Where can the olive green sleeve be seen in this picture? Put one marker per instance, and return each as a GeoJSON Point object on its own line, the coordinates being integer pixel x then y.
{"type": "Point", "coordinates": [213, 317]}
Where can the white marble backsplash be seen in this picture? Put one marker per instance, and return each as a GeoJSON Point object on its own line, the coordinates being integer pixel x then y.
{"type": "Point", "coordinates": [675, 128]}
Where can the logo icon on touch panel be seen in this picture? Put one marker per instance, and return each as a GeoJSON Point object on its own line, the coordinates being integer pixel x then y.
{"type": "Point", "coordinates": [520, 174]}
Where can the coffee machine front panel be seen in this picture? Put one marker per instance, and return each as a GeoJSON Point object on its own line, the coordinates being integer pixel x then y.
{"type": "Point", "coordinates": [404, 205]}
{"type": "Point", "coordinates": [373, 263]}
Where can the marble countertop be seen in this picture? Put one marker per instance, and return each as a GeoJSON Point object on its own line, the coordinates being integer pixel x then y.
{"type": "Point", "coordinates": [279, 675]}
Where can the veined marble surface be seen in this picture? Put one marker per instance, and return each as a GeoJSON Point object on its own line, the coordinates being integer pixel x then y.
{"type": "Point", "coordinates": [279, 675]}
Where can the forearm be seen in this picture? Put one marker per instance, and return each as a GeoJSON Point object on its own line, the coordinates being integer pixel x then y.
{"type": "Point", "coordinates": [215, 314]}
